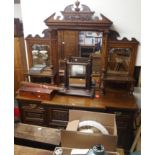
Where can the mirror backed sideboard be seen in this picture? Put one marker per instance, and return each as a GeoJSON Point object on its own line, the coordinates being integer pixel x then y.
{"type": "Point", "coordinates": [80, 35]}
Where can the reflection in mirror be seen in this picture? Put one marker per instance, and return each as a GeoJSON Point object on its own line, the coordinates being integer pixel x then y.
{"type": "Point", "coordinates": [77, 75]}
{"type": "Point", "coordinates": [40, 55]}
{"type": "Point", "coordinates": [77, 70]}
{"type": "Point", "coordinates": [118, 60]}
{"type": "Point", "coordinates": [90, 42]}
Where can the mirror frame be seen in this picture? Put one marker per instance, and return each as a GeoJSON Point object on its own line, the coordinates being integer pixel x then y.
{"type": "Point", "coordinates": [124, 43]}
{"type": "Point", "coordinates": [30, 41]}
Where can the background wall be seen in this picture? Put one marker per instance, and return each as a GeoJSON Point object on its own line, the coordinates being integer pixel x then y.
{"type": "Point", "coordinates": [17, 11]}
{"type": "Point", "coordinates": [125, 14]}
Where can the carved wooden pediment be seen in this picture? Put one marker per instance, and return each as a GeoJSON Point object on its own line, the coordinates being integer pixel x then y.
{"type": "Point", "coordinates": [38, 37]}
{"type": "Point", "coordinates": [78, 16]}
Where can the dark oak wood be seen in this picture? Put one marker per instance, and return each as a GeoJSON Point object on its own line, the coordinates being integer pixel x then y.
{"type": "Point", "coordinates": [30, 41]}
{"type": "Point", "coordinates": [54, 113]}
{"type": "Point", "coordinates": [67, 44]}
{"type": "Point", "coordinates": [62, 39]}
{"type": "Point", "coordinates": [48, 75]}
{"type": "Point", "coordinates": [19, 55]}
{"type": "Point", "coordinates": [18, 28]}
{"type": "Point", "coordinates": [36, 91]}
{"type": "Point", "coordinates": [78, 83]}
{"type": "Point", "coordinates": [117, 76]}
{"type": "Point", "coordinates": [62, 36]}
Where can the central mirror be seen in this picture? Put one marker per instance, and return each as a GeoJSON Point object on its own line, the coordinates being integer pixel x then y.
{"type": "Point", "coordinates": [90, 42]}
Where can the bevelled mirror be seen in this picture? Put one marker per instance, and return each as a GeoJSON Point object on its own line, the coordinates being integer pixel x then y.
{"type": "Point", "coordinates": [119, 60]}
{"type": "Point", "coordinates": [40, 55]}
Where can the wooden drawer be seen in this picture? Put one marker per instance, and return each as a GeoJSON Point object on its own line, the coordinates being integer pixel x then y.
{"type": "Point", "coordinates": [33, 107]}
{"type": "Point", "coordinates": [33, 114]}
{"type": "Point", "coordinates": [58, 117]}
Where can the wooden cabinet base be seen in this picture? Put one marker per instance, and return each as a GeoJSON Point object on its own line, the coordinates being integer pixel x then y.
{"type": "Point", "coordinates": [54, 113]}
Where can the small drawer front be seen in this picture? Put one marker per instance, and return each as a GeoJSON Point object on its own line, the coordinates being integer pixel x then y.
{"type": "Point", "coordinates": [58, 117]}
{"type": "Point", "coordinates": [34, 118]}
{"type": "Point", "coordinates": [33, 107]}
{"type": "Point", "coordinates": [33, 114]}
{"type": "Point", "coordinates": [36, 95]}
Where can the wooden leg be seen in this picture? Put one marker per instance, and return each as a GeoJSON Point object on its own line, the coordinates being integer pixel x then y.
{"type": "Point", "coordinates": [103, 88]}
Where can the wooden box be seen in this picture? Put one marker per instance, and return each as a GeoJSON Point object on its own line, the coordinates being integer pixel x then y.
{"type": "Point", "coordinates": [36, 91]}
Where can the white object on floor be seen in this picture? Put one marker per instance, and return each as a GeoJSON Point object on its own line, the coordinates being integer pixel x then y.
{"type": "Point", "coordinates": [79, 151]}
{"type": "Point", "coordinates": [95, 124]}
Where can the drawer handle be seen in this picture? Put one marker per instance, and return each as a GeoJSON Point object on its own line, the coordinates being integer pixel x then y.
{"type": "Point", "coordinates": [38, 96]}
{"type": "Point", "coordinates": [118, 113]}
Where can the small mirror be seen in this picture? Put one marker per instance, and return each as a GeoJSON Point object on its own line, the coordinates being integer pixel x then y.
{"type": "Point", "coordinates": [77, 71]}
{"type": "Point", "coordinates": [40, 55]}
{"type": "Point", "coordinates": [77, 75]}
{"type": "Point", "coordinates": [119, 60]}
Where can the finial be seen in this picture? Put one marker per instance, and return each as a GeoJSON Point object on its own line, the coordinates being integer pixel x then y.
{"type": "Point", "coordinates": [77, 3]}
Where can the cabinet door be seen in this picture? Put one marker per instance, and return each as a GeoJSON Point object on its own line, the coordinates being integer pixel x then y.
{"type": "Point", "coordinates": [125, 131]}
{"type": "Point", "coordinates": [68, 43]}
{"type": "Point", "coordinates": [58, 117]}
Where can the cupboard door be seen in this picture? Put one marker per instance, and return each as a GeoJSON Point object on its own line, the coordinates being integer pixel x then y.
{"type": "Point", "coordinates": [68, 44]}
{"type": "Point", "coordinates": [33, 113]}
{"type": "Point", "coordinates": [125, 131]}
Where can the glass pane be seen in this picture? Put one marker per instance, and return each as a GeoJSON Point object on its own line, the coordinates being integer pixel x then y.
{"type": "Point", "coordinates": [77, 70]}
{"type": "Point", "coordinates": [40, 55]}
{"type": "Point", "coordinates": [119, 60]}
{"type": "Point", "coordinates": [90, 42]}
{"type": "Point", "coordinates": [77, 75]}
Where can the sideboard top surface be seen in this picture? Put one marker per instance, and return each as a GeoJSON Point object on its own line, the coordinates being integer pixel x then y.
{"type": "Point", "coordinates": [110, 100]}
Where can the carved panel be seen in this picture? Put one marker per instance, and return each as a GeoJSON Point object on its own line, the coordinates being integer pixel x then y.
{"type": "Point", "coordinates": [76, 17]}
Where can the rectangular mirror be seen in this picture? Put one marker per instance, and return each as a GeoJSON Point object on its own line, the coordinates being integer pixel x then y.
{"type": "Point", "coordinates": [40, 55]}
{"type": "Point", "coordinates": [119, 60]}
{"type": "Point", "coordinates": [77, 70]}
{"type": "Point", "coordinates": [90, 42]}
{"type": "Point", "coordinates": [77, 75]}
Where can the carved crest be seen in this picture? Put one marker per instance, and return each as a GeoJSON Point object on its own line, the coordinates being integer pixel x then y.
{"type": "Point", "coordinates": [74, 14]}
